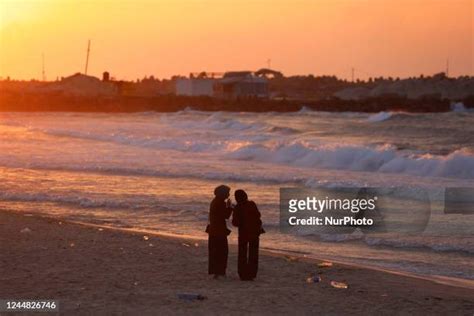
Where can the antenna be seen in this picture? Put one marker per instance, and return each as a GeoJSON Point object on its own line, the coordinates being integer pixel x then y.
{"type": "Point", "coordinates": [87, 57]}
{"type": "Point", "coordinates": [447, 67]}
{"type": "Point", "coordinates": [43, 72]}
{"type": "Point", "coordinates": [269, 63]}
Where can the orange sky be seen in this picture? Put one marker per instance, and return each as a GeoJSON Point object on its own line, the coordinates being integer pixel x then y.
{"type": "Point", "coordinates": [134, 38]}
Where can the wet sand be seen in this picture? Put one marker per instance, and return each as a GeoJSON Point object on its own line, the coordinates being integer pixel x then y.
{"type": "Point", "coordinates": [92, 270]}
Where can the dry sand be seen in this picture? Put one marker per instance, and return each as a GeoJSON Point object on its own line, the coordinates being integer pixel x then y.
{"type": "Point", "coordinates": [102, 271]}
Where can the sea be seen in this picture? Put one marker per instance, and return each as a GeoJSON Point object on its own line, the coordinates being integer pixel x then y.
{"type": "Point", "coordinates": [157, 172]}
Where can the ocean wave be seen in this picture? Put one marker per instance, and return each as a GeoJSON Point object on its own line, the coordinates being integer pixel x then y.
{"type": "Point", "coordinates": [145, 204]}
{"type": "Point", "coordinates": [340, 237]}
{"type": "Point", "coordinates": [386, 158]}
{"type": "Point", "coordinates": [215, 121]}
{"type": "Point", "coordinates": [273, 178]}
{"type": "Point", "coordinates": [383, 159]}
{"type": "Point", "coordinates": [305, 110]}
{"type": "Point", "coordinates": [83, 202]}
{"type": "Point", "coordinates": [180, 135]}
{"type": "Point", "coordinates": [460, 108]}
{"type": "Point", "coordinates": [380, 117]}
{"type": "Point", "coordinates": [129, 138]}
{"type": "Point", "coordinates": [219, 137]}
{"type": "Point", "coordinates": [143, 141]}
{"type": "Point", "coordinates": [385, 116]}
{"type": "Point", "coordinates": [282, 130]}
{"type": "Point", "coordinates": [434, 243]}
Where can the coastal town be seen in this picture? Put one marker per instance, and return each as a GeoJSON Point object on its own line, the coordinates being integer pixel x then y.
{"type": "Point", "coordinates": [261, 90]}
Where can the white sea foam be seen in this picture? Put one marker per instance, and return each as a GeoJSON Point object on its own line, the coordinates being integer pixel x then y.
{"type": "Point", "coordinates": [459, 164]}
{"type": "Point", "coordinates": [380, 117]}
{"type": "Point", "coordinates": [458, 107]}
{"type": "Point", "coordinates": [239, 138]}
{"type": "Point", "coordinates": [386, 116]}
{"type": "Point", "coordinates": [305, 110]}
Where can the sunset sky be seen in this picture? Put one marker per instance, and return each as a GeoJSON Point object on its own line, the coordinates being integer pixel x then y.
{"type": "Point", "coordinates": [131, 39]}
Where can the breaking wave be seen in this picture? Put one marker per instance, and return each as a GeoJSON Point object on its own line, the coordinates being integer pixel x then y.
{"type": "Point", "coordinates": [459, 107]}
{"type": "Point", "coordinates": [385, 116]}
{"type": "Point", "coordinates": [380, 117]}
{"type": "Point", "coordinates": [458, 164]}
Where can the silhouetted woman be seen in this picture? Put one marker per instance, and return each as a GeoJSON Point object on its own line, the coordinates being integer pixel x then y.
{"type": "Point", "coordinates": [219, 211]}
{"type": "Point", "coordinates": [247, 218]}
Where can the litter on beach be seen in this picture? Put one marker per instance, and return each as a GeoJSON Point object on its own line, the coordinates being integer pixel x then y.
{"type": "Point", "coordinates": [313, 279]}
{"type": "Point", "coordinates": [291, 258]}
{"type": "Point", "coordinates": [196, 244]}
{"type": "Point", "coordinates": [25, 230]}
{"type": "Point", "coordinates": [325, 264]}
{"type": "Point", "coordinates": [185, 244]}
{"type": "Point", "coordinates": [339, 285]}
{"type": "Point", "coordinates": [191, 297]}
{"type": "Point", "coordinates": [146, 237]}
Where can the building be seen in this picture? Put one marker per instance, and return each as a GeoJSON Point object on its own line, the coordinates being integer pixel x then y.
{"type": "Point", "coordinates": [229, 85]}
{"type": "Point", "coordinates": [196, 85]}
{"type": "Point", "coordinates": [79, 85]}
{"type": "Point", "coordinates": [237, 84]}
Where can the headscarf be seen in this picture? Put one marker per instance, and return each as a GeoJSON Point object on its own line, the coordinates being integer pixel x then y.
{"type": "Point", "coordinates": [241, 196]}
{"type": "Point", "coordinates": [222, 191]}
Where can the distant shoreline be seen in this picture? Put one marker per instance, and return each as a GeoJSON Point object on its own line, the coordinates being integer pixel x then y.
{"type": "Point", "coordinates": [19, 102]}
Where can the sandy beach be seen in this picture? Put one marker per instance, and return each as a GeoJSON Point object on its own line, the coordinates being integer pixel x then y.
{"type": "Point", "coordinates": [105, 271]}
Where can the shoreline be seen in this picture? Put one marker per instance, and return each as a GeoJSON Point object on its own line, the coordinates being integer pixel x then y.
{"type": "Point", "coordinates": [109, 270]}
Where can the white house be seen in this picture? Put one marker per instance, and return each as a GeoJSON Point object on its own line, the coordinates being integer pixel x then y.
{"type": "Point", "coordinates": [230, 85]}
{"type": "Point", "coordinates": [237, 84]}
{"type": "Point", "coordinates": [195, 86]}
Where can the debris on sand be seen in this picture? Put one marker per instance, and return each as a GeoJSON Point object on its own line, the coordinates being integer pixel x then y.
{"type": "Point", "coordinates": [339, 285]}
{"type": "Point", "coordinates": [191, 297]}
{"type": "Point", "coordinates": [25, 230]}
{"type": "Point", "coordinates": [291, 258]}
{"type": "Point", "coordinates": [313, 279]}
{"type": "Point", "coordinates": [325, 264]}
